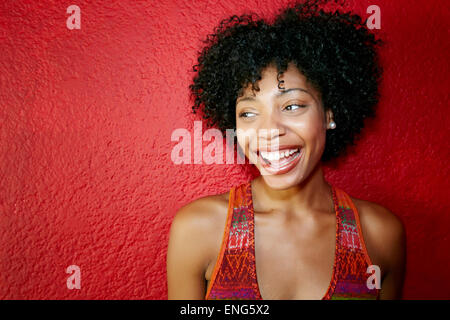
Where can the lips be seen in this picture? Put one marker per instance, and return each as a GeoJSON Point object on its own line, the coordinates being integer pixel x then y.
{"type": "Point", "coordinates": [282, 161]}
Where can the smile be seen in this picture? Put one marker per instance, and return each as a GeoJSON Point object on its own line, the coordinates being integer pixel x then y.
{"type": "Point", "coordinates": [280, 162]}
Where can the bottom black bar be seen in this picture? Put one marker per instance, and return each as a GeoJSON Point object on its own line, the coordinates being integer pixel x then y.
{"type": "Point", "coordinates": [248, 309]}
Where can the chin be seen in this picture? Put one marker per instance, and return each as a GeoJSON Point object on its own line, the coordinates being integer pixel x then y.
{"type": "Point", "coordinates": [282, 181]}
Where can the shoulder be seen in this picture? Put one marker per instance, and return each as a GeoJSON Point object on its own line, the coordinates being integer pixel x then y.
{"type": "Point", "coordinates": [199, 225]}
{"type": "Point", "coordinates": [383, 233]}
{"type": "Point", "coordinates": [203, 212]}
{"type": "Point", "coordinates": [378, 219]}
{"type": "Point", "coordinates": [192, 239]}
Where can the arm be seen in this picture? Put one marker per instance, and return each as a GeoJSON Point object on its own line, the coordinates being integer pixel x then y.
{"type": "Point", "coordinates": [392, 284]}
{"type": "Point", "coordinates": [385, 239]}
{"type": "Point", "coordinates": [186, 256]}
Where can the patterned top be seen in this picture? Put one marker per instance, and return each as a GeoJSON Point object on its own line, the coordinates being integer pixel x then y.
{"type": "Point", "coordinates": [234, 275]}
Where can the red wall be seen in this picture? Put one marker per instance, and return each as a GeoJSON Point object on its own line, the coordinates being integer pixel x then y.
{"type": "Point", "coordinates": [86, 121]}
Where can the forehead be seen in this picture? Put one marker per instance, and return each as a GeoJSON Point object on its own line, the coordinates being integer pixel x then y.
{"type": "Point", "coordinates": [292, 78]}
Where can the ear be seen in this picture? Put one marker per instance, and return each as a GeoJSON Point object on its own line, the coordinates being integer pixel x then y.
{"type": "Point", "coordinates": [329, 115]}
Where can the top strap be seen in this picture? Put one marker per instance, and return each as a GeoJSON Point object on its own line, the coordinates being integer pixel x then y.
{"type": "Point", "coordinates": [234, 275]}
{"type": "Point", "coordinates": [242, 218]}
{"type": "Point", "coordinates": [352, 259]}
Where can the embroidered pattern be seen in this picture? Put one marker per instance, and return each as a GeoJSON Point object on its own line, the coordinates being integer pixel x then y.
{"type": "Point", "coordinates": [239, 232]}
{"type": "Point", "coordinates": [234, 275]}
{"type": "Point", "coordinates": [350, 277]}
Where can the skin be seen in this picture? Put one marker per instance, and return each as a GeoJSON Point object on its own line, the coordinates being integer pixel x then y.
{"type": "Point", "coordinates": [294, 215]}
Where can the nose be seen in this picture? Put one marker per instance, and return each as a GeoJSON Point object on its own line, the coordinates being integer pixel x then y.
{"type": "Point", "coordinates": [270, 130]}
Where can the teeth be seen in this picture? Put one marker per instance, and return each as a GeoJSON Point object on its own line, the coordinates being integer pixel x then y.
{"type": "Point", "coordinates": [271, 156]}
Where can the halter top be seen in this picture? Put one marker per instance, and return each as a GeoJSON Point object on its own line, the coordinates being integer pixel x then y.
{"type": "Point", "coordinates": [234, 274]}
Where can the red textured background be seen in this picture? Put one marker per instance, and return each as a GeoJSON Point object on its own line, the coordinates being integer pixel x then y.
{"type": "Point", "coordinates": [86, 121]}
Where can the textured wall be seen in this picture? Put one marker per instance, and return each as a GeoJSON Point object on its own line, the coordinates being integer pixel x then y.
{"type": "Point", "coordinates": [86, 120]}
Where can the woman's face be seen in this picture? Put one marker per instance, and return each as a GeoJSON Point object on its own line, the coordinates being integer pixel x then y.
{"type": "Point", "coordinates": [282, 131]}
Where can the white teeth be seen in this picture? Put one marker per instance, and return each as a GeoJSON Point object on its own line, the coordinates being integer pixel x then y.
{"type": "Point", "coordinates": [278, 155]}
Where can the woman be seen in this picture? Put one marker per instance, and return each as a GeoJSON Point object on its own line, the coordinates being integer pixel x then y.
{"type": "Point", "coordinates": [297, 92]}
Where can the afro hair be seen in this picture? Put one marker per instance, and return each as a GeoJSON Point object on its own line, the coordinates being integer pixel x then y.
{"type": "Point", "coordinates": [334, 50]}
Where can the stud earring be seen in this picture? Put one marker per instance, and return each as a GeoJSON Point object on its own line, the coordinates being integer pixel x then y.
{"type": "Point", "coordinates": [332, 125]}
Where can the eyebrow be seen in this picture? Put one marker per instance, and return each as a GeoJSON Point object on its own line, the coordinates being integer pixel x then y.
{"type": "Point", "coordinates": [252, 98]}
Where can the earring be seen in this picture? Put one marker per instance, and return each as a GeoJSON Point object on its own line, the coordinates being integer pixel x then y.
{"type": "Point", "coordinates": [332, 125]}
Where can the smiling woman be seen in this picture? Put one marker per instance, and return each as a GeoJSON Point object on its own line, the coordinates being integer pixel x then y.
{"type": "Point", "coordinates": [297, 92]}
{"type": "Point", "coordinates": [294, 116]}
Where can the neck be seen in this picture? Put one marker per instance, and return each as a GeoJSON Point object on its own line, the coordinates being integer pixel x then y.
{"type": "Point", "coordinates": [311, 195]}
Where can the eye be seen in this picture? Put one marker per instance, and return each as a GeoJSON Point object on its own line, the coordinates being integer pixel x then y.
{"type": "Point", "coordinates": [293, 107]}
{"type": "Point", "coordinates": [246, 115]}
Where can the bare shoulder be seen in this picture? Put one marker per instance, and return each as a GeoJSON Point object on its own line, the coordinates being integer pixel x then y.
{"type": "Point", "coordinates": [199, 225]}
{"type": "Point", "coordinates": [203, 213]}
{"type": "Point", "coordinates": [383, 233]}
{"type": "Point", "coordinates": [194, 234]}
{"type": "Point", "coordinates": [378, 219]}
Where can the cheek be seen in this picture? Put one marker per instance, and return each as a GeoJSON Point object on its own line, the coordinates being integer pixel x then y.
{"type": "Point", "coordinates": [311, 129]}
{"type": "Point", "coordinates": [245, 139]}
{"type": "Point", "coordinates": [241, 143]}
{"type": "Point", "coordinates": [316, 133]}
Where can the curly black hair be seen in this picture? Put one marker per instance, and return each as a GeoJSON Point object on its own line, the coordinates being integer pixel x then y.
{"type": "Point", "coordinates": [333, 49]}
